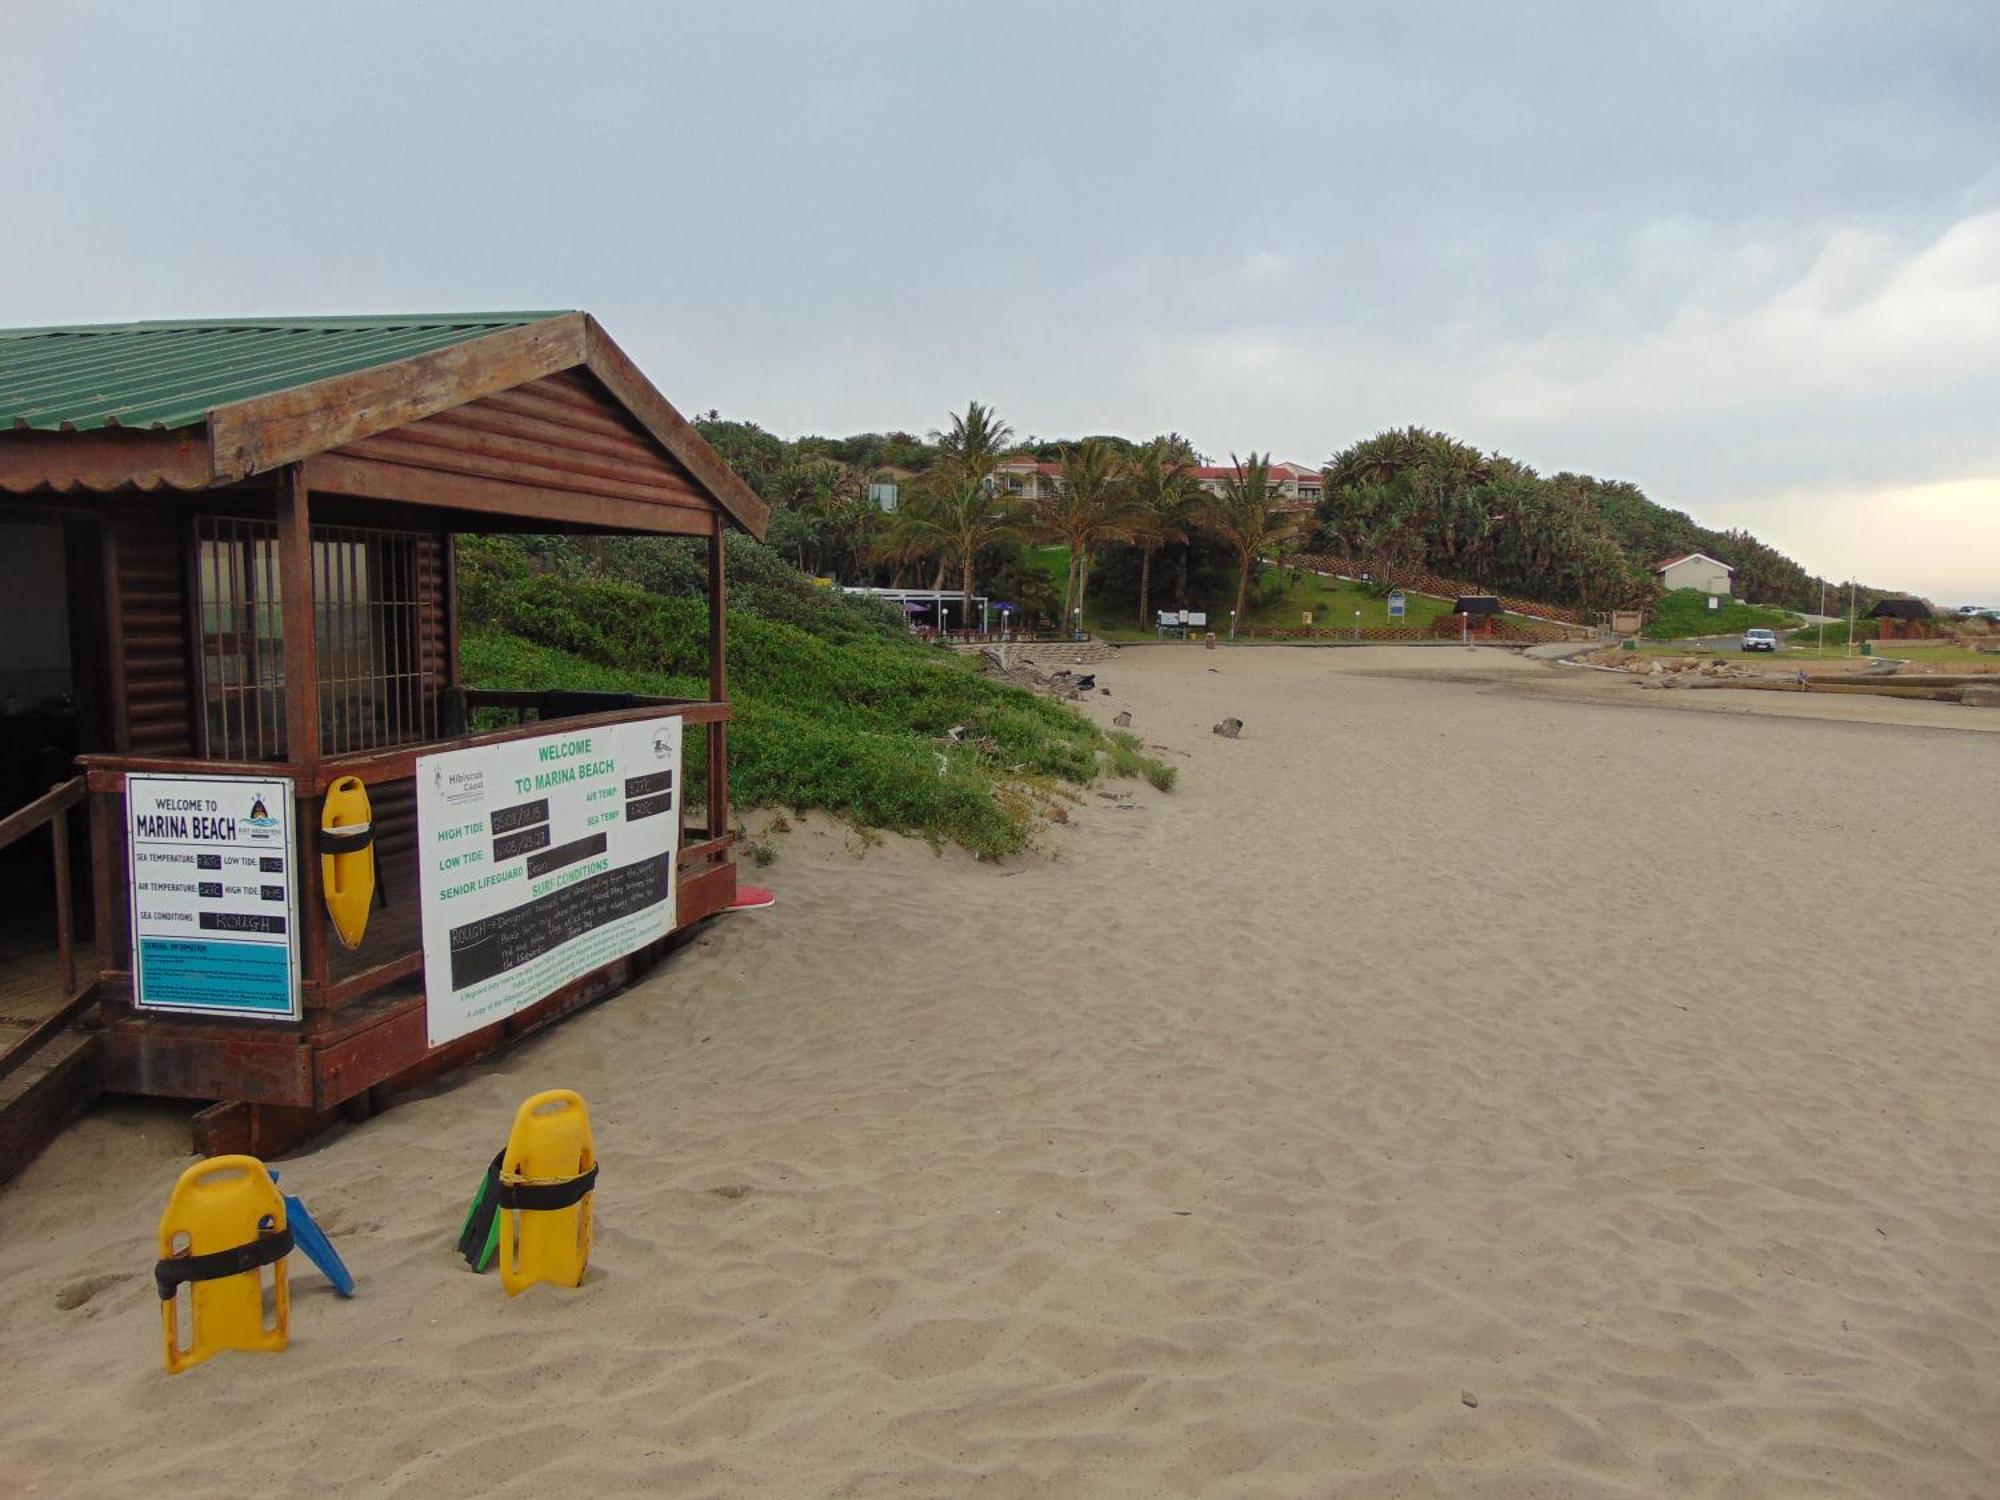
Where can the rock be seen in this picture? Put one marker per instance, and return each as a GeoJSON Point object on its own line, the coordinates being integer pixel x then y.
{"type": "Point", "coordinates": [1981, 694]}
{"type": "Point", "coordinates": [1468, 1398]}
{"type": "Point", "coordinates": [1122, 719]}
{"type": "Point", "coordinates": [1229, 729]}
{"type": "Point", "coordinates": [1105, 691]}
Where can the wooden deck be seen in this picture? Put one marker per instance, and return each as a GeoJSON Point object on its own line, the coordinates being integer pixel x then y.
{"type": "Point", "coordinates": [63, 1077]}
{"type": "Point", "coordinates": [28, 989]}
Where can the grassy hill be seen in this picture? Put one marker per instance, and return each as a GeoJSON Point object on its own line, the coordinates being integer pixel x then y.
{"type": "Point", "coordinates": [1279, 597]}
{"type": "Point", "coordinates": [1685, 612]}
{"type": "Point", "coordinates": [837, 708]}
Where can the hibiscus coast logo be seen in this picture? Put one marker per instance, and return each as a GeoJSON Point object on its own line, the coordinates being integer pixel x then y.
{"type": "Point", "coordinates": [456, 788]}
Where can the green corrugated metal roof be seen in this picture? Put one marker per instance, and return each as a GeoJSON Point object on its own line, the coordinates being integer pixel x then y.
{"type": "Point", "coordinates": [172, 374]}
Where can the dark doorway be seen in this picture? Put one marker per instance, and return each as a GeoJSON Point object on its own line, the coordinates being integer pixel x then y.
{"type": "Point", "coordinates": [52, 672]}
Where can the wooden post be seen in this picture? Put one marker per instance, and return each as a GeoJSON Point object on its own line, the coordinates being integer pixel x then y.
{"type": "Point", "coordinates": [295, 585]}
{"type": "Point", "coordinates": [450, 547]}
{"type": "Point", "coordinates": [120, 716]}
{"type": "Point", "coordinates": [65, 920]}
{"type": "Point", "coordinates": [718, 681]}
{"type": "Point", "coordinates": [104, 920]}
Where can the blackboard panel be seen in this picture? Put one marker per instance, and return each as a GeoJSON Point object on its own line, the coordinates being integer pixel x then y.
{"type": "Point", "coordinates": [508, 939]}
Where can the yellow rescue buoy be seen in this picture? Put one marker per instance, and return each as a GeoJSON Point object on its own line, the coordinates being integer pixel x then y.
{"type": "Point", "coordinates": [224, 1225]}
{"type": "Point", "coordinates": [347, 857]}
{"type": "Point", "coordinates": [548, 1178]}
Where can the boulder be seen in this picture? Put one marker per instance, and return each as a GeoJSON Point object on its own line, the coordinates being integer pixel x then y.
{"type": "Point", "coordinates": [1229, 729]}
{"type": "Point", "coordinates": [1122, 719]}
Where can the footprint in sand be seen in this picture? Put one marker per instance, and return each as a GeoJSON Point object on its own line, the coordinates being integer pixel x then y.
{"type": "Point", "coordinates": [77, 1293]}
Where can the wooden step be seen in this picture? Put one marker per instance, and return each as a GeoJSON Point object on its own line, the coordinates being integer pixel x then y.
{"type": "Point", "coordinates": [39, 1099]}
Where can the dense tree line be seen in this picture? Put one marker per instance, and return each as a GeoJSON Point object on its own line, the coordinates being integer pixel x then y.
{"type": "Point", "coordinates": [1138, 526]}
{"type": "Point", "coordinates": [1417, 497]}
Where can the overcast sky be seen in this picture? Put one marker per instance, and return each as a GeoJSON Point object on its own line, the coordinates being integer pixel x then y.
{"type": "Point", "coordinates": [1744, 254]}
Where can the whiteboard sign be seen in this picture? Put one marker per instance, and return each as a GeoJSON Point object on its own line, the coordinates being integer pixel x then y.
{"type": "Point", "coordinates": [1397, 605]}
{"type": "Point", "coordinates": [541, 860]}
{"type": "Point", "coordinates": [214, 905]}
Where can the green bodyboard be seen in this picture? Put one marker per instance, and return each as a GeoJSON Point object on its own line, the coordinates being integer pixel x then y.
{"type": "Point", "coordinates": [479, 1231]}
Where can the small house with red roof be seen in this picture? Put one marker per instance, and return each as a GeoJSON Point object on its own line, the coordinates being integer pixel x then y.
{"type": "Point", "coordinates": [1295, 486]}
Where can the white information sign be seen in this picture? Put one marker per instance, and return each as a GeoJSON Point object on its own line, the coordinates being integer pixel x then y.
{"type": "Point", "coordinates": [214, 908]}
{"type": "Point", "coordinates": [542, 859]}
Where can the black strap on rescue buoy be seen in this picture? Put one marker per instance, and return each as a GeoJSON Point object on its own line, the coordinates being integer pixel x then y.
{"type": "Point", "coordinates": [537, 1196]}
{"type": "Point", "coordinates": [352, 840]}
{"type": "Point", "coordinates": [170, 1274]}
{"type": "Point", "coordinates": [349, 840]}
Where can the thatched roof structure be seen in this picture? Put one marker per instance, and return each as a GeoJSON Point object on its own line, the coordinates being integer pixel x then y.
{"type": "Point", "coordinates": [1901, 609]}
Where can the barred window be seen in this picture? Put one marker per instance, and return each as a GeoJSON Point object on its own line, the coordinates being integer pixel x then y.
{"type": "Point", "coordinates": [368, 593]}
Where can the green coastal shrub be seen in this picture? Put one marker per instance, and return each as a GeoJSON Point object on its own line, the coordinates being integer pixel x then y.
{"type": "Point", "coordinates": [845, 718]}
{"type": "Point", "coordinates": [1685, 612]}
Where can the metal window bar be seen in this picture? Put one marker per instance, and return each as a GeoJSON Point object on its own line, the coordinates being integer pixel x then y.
{"type": "Point", "coordinates": [374, 689]}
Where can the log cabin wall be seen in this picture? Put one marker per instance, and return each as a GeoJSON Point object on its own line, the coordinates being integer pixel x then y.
{"type": "Point", "coordinates": [562, 433]}
{"type": "Point", "coordinates": [152, 698]}
{"type": "Point", "coordinates": [156, 665]}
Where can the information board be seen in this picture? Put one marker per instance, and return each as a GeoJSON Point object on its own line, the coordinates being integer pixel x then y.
{"type": "Point", "coordinates": [214, 906]}
{"type": "Point", "coordinates": [542, 859]}
{"type": "Point", "coordinates": [1397, 607]}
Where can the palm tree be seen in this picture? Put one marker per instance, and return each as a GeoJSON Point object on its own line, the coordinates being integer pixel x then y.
{"type": "Point", "coordinates": [1087, 506]}
{"type": "Point", "coordinates": [1246, 516]}
{"type": "Point", "coordinates": [975, 442]}
{"type": "Point", "coordinates": [952, 519]}
{"type": "Point", "coordinates": [1163, 493]}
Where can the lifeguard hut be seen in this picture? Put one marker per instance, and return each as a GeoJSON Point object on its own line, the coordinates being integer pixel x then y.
{"type": "Point", "coordinates": [226, 554]}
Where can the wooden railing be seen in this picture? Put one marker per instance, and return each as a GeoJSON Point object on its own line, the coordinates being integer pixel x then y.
{"type": "Point", "coordinates": [392, 950]}
{"type": "Point", "coordinates": [51, 811]}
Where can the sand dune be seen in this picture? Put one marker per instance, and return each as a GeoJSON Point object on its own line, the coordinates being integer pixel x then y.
{"type": "Point", "coordinates": [1504, 1040]}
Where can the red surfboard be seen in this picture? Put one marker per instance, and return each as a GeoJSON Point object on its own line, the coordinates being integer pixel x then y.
{"type": "Point", "coordinates": [752, 898]}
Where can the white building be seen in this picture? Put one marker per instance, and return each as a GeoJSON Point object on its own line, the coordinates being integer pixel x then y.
{"type": "Point", "coordinates": [1694, 570]}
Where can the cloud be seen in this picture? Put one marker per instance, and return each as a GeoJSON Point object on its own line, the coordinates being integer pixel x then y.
{"type": "Point", "coordinates": [1943, 540]}
{"type": "Point", "coordinates": [1868, 318]}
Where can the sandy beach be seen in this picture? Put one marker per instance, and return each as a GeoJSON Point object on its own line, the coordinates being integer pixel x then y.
{"type": "Point", "coordinates": [1479, 1079]}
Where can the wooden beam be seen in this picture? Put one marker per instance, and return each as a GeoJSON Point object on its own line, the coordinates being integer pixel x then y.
{"type": "Point", "coordinates": [248, 437]}
{"type": "Point", "coordinates": [718, 680]}
{"type": "Point", "coordinates": [114, 634]}
{"type": "Point", "coordinates": [370, 479]}
{"type": "Point", "coordinates": [482, 456]}
{"type": "Point", "coordinates": [624, 380]}
{"type": "Point", "coordinates": [43, 1098]}
{"type": "Point", "coordinates": [106, 460]}
{"type": "Point", "coordinates": [295, 587]}
{"type": "Point", "coordinates": [567, 462]}
{"type": "Point", "coordinates": [47, 808]}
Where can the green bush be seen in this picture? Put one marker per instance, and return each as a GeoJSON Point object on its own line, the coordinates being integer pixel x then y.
{"type": "Point", "coordinates": [1685, 612]}
{"type": "Point", "coordinates": [849, 720]}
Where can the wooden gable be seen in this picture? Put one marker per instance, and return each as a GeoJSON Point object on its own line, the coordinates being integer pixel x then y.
{"type": "Point", "coordinates": [560, 450]}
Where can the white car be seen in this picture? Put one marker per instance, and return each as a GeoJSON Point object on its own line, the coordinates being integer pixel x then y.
{"type": "Point", "coordinates": [1760, 640]}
